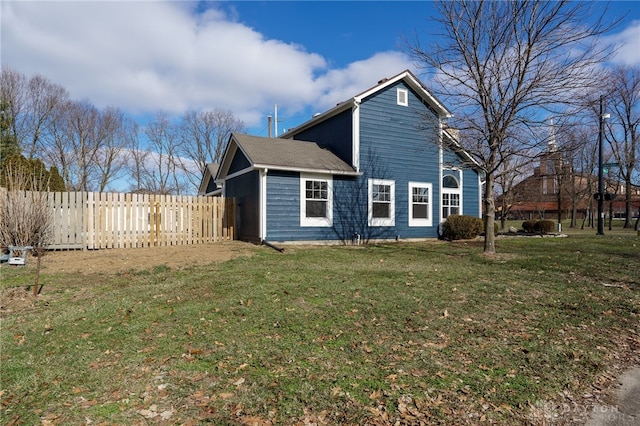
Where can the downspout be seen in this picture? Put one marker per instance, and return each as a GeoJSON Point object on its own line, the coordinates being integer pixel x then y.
{"type": "Point", "coordinates": [440, 169]}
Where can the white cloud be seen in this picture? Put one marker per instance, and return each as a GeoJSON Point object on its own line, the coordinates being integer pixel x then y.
{"type": "Point", "coordinates": [628, 45]}
{"type": "Point", "coordinates": [144, 57]}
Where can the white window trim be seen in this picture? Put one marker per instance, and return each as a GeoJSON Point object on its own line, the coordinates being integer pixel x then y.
{"type": "Point", "coordinates": [402, 97]}
{"type": "Point", "coordinates": [457, 190]}
{"type": "Point", "coordinates": [391, 220]}
{"type": "Point", "coordinates": [316, 221]}
{"type": "Point", "coordinates": [421, 222]}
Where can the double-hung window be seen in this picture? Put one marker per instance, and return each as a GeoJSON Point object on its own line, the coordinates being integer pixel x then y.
{"type": "Point", "coordinates": [381, 202]}
{"type": "Point", "coordinates": [420, 204]}
{"type": "Point", "coordinates": [316, 201]}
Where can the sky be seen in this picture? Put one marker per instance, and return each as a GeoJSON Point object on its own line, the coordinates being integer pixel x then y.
{"type": "Point", "coordinates": [146, 57]}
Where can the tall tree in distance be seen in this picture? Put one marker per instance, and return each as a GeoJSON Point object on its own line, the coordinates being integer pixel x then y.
{"type": "Point", "coordinates": [8, 142]}
{"type": "Point", "coordinates": [204, 138]}
{"type": "Point", "coordinates": [160, 170]}
{"type": "Point", "coordinates": [112, 154]}
{"type": "Point", "coordinates": [507, 66]}
{"type": "Point", "coordinates": [623, 129]}
{"type": "Point", "coordinates": [31, 105]}
{"type": "Point", "coordinates": [13, 99]}
{"type": "Point", "coordinates": [77, 141]}
{"type": "Point", "coordinates": [43, 99]}
{"type": "Point", "coordinates": [136, 158]}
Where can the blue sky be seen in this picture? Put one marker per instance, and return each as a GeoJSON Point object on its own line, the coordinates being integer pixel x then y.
{"type": "Point", "coordinates": [145, 57]}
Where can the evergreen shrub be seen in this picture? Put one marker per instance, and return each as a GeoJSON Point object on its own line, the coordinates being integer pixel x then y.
{"type": "Point", "coordinates": [460, 227]}
{"type": "Point", "coordinates": [528, 226]}
{"type": "Point", "coordinates": [538, 226]}
{"type": "Point", "coordinates": [545, 226]}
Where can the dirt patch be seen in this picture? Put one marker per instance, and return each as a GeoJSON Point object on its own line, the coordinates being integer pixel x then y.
{"type": "Point", "coordinates": [121, 260]}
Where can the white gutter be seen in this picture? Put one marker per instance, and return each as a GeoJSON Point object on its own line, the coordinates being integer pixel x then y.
{"type": "Point", "coordinates": [305, 170]}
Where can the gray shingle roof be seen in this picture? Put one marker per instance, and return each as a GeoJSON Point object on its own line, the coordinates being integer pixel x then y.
{"type": "Point", "coordinates": [288, 154]}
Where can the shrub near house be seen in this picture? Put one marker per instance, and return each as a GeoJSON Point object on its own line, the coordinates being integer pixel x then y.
{"type": "Point", "coordinates": [538, 226]}
{"type": "Point", "coordinates": [459, 227]}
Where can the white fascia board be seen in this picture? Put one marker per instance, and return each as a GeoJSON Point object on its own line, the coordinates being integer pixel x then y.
{"type": "Point", "coordinates": [239, 172]}
{"type": "Point", "coordinates": [305, 170]}
{"type": "Point", "coordinates": [215, 193]}
{"type": "Point", "coordinates": [229, 153]}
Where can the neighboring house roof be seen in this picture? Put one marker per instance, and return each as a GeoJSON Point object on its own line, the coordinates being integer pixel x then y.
{"type": "Point", "coordinates": [409, 78]}
{"type": "Point", "coordinates": [209, 173]}
{"type": "Point", "coordinates": [284, 154]}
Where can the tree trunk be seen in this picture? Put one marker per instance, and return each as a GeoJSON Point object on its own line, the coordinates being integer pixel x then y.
{"type": "Point", "coordinates": [610, 214]}
{"type": "Point", "coordinates": [489, 215]}
{"type": "Point", "coordinates": [559, 206]}
{"type": "Point", "coordinates": [36, 283]}
{"type": "Point", "coordinates": [627, 204]}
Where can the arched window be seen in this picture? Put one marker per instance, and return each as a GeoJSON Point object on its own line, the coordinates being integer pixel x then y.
{"type": "Point", "coordinates": [450, 196]}
{"type": "Point", "coordinates": [450, 182]}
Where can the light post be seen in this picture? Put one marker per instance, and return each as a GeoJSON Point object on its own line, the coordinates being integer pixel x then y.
{"type": "Point", "coordinates": [600, 194]}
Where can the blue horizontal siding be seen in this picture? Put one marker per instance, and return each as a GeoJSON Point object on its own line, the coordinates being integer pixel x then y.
{"type": "Point", "coordinates": [333, 134]}
{"type": "Point", "coordinates": [470, 193]}
{"type": "Point", "coordinates": [400, 143]}
{"type": "Point", "coordinates": [283, 210]}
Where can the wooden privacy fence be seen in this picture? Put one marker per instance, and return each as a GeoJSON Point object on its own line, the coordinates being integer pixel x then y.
{"type": "Point", "coordinates": [97, 220]}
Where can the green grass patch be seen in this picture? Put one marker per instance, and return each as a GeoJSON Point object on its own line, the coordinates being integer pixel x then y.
{"type": "Point", "coordinates": [428, 331]}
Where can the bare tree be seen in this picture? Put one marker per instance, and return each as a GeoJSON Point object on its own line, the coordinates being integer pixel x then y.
{"type": "Point", "coordinates": [506, 66]}
{"type": "Point", "coordinates": [13, 92]}
{"type": "Point", "coordinates": [623, 129]}
{"type": "Point", "coordinates": [579, 163]}
{"type": "Point", "coordinates": [508, 175]}
{"type": "Point", "coordinates": [56, 150]}
{"type": "Point", "coordinates": [204, 136]}
{"type": "Point", "coordinates": [160, 170]}
{"type": "Point", "coordinates": [43, 98]}
{"type": "Point", "coordinates": [32, 105]}
{"type": "Point", "coordinates": [25, 215]}
{"type": "Point", "coordinates": [112, 155]}
{"type": "Point", "coordinates": [76, 141]}
{"type": "Point", "coordinates": [137, 158]}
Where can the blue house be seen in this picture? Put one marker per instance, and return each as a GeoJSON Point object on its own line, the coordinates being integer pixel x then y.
{"type": "Point", "coordinates": [371, 168]}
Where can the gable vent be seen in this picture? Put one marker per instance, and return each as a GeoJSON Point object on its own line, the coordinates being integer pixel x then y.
{"type": "Point", "coordinates": [403, 97]}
